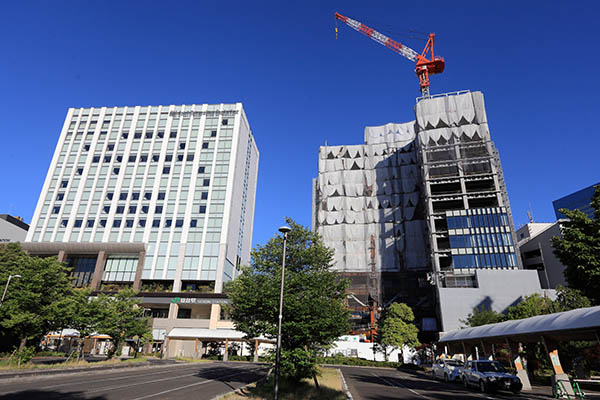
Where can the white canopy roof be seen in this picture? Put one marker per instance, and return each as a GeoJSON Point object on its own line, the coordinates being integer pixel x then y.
{"type": "Point", "coordinates": [204, 333]}
{"type": "Point", "coordinates": [579, 319]}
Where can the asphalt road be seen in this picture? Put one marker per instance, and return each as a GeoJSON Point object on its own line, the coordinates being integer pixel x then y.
{"type": "Point", "coordinates": [179, 381]}
{"type": "Point", "coordinates": [389, 384]}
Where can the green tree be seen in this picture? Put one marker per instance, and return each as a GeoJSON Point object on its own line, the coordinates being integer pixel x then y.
{"type": "Point", "coordinates": [579, 249]}
{"type": "Point", "coordinates": [396, 329]}
{"type": "Point", "coordinates": [314, 308]}
{"type": "Point", "coordinates": [530, 306]}
{"type": "Point", "coordinates": [31, 306]}
{"type": "Point", "coordinates": [482, 316]}
{"type": "Point", "coordinates": [569, 299]}
{"type": "Point", "coordinates": [82, 313]}
{"type": "Point", "coordinates": [121, 317]}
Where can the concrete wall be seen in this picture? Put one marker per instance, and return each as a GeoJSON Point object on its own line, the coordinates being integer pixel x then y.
{"type": "Point", "coordinates": [549, 268]}
{"type": "Point", "coordinates": [498, 289]}
{"type": "Point", "coordinates": [11, 232]}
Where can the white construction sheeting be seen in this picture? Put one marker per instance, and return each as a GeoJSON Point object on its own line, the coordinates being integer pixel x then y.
{"type": "Point", "coordinates": [367, 194]}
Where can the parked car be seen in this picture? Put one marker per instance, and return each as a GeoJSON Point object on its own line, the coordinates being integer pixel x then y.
{"type": "Point", "coordinates": [489, 375]}
{"type": "Point", "coordinates": [446, 369]}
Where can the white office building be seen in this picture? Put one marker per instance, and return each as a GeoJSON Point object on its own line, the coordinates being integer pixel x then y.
{"type": "Point", "coordinates": [160, 199]}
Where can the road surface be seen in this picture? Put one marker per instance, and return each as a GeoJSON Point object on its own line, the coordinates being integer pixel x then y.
{"type": "Point", "coordinates": [173, 382]}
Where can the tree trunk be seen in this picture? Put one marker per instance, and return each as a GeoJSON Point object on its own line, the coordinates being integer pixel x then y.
{"type": "Point", "coordinates": [79, 349]}
{"type": "Point", "coordinates": [316, 381]}
{"type": "Point", "coordinates": [21, 348]}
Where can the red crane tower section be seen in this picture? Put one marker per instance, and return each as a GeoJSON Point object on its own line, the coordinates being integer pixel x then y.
{"type": "Point", "coordinates": [427, 63]}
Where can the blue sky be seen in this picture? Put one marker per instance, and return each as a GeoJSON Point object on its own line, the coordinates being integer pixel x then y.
{"type": "Point", "coordinates": [534, 61]}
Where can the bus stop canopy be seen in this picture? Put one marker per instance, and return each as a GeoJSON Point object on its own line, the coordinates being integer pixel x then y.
{"type": "Point", "coordinates": [579, 324]}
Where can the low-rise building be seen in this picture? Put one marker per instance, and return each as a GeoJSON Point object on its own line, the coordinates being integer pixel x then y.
{"type": "Point", "coordinates": [12, 229]}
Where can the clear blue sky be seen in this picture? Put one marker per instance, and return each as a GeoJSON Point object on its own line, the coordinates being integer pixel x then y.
{"type": "Point", "coordinates": [536, 63]}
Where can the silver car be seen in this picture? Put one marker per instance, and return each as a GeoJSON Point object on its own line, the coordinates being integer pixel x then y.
{"type": "Point", "coordinates": [446, 369]}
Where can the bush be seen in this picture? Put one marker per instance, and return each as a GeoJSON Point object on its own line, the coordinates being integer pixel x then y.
{"type": "Point", "coordinates": [361, 362]}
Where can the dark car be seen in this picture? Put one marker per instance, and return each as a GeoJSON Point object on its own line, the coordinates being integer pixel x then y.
{"type": "Point", "coordinates": [489, 375]}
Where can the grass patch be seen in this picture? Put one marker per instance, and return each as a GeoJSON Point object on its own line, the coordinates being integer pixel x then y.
{"type": "Point", "coordinates": [6, 366]}
{"type": "Point", "coordinates": [360, 362]}
{"type": "Point", "coordinates": [330, 388]}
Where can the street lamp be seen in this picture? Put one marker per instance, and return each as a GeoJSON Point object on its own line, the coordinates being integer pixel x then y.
{"type": "Point", "coordinates": [284, 230]}
{"type": "Point", "coordinates": [6, 287]}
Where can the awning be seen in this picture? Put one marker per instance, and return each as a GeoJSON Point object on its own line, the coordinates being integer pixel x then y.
{"type": "Point", "coordinates": [576, 324]}
{"type": "Point", "coordinates": [211, 334]}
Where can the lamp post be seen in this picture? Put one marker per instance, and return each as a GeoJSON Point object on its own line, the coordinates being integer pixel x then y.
{"type": "Point", "coordinates": [6, 287]}
{"type": "Point", "coordinates": [284, 230]}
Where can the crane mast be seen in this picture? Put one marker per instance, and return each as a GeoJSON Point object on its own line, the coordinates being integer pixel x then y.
{"type": "Point", "coordinates": [425, 66]}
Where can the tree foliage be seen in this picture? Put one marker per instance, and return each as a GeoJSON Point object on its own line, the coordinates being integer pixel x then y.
{"type": "Point", "coordinates": [579, 249]}
{"type": "Point", "coordinates": [483, 316]}
{"type": "Point", "coordinates": [314, 309]}
{"type": "Point", "coordinates": [32, 304]}
{"type": "Point", "coordinates": [396, 329]}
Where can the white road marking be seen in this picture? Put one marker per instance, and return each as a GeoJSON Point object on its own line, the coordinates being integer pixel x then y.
{"type": "Point", "coordinates": [192, 384]}
{"type": "Point", "coordinates": [401, 385]}
{"type": "Point", "coordinates": [86, 382]}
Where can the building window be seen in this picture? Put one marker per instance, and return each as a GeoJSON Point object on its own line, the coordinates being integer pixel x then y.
{"type": "Point", "coordinates": [155, 157]}
{"type": "Point", "coordinates": [166, 170]}
{"type": "Point", "coordinates": [173, 134]}
{"type": "Point", "coordinates": [182, 146]}
{"type": "Point", "coordinates": [106, 209]}
{"type": "Point", "coordinates": [124, 135]}
{"type": "Point", "coordinates": [179, 223]}
{"type": "Point", "coordinates": [56, 210]}
{"type": "Point", "coordinates": [64, 223]}
{"type": "Point", "coordinates": [148, 135]}
{"type": "Point", "coordinates": [180, 157]}
{"type": "Point", "coordinates": [193, 223]}
{"type": "Point", "coordinates": [213, 133]}
{"type": "Point", "coordinates": [201, 170]}
{"type": "Point", "coordinates": [107, 158]}
{"type": "Point", "coordinates": [144, 209]}
{"type": "Point", "coordinates": [116, 171]}
{"type": "Point", "coordinates": [120, 209]}
{"type": "Point", "coordinates": [103, 223]}
{"type": "Point", "coordinates": [129, 223]}
{"type": "Point", "coordinates": [225, 122]}
{"type": "Point", "coordinates": [86, 147]}
{"type": "Point", "coordinates": [144, 158]}
{"type": "Point", "coordinates": [110, 147]}
{"type": "Point", "coordinates": [158, 210]}
{"type": "Point", "coordinates": [79, 171]}
{"type": "Point", "coordinates": [135, 196]}
{"type": "Point", "coordinates": [63, 184]}
{"type": "Point", "coordinates": [148, 195]}
{"type": "Point", "coordinates": [168, 223]}
{"type": "Point", "coordinates": [156, 223]}
{"type": "Point", "coordinates": [109, 195]}
{"type": "Point", "coordinates": [96, 159]}
{"type": "Point", "coordinates": [204, 196]}
{"type": "Point", "coordinates": [142, 223]}
{"type": "Point", "coordinates": [161, 195]}
{"type": "Point", "coordinates": [137, 135]}
{"type": "Point", "coordinates": [90, 223]}
{"type": "Point", "coordinates": [123, 196]}
{"type": "Point", "coordinates": [160, 134]}
{"type": "Point", "coordinates": [132, 158]}
{"type": "Point", "coordinates": [206, 182]}
{"type": "Point", "coordinates": [116, 223]}
{"type": "Point", "coordinates": [184, 313]}
{"type": "Point", "coordinates": [60, 196]}
{"type": "Point", "coordinates": [120, 269]}
{"type": "Point", "coordinates": [132, 209]}
{"type": "Point", "coordinates": [202, 209]}
{"type": "Point", "coordinates": [169, 157]}
{"type": "Point", "coordinates": [205, 145]}
{"type": "Point", "coordinates": [190, 157]}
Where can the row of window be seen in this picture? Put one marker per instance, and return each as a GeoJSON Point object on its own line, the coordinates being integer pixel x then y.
{"type": "Point", "coordinates": [481, 240]}
{"type": "Point", "coordinates": [129, 223]}
{"type": "Point", "coordinates": [493, 260]}
{"type": "Point", "coordinates": [144, 209]}
{"type": "Point", "coordinates": [143, 158]}
{"type": "Point", "coordinates": [477, 221]}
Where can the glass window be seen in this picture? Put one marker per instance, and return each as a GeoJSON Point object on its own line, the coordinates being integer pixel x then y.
{"type": "Point", "coordinates": [168, 222]}
{"type": "Point", "coordinates": [90, 223]}
{"type": "Point", "coordinates": [158, 209]}
{"type": "Point", "coordinates": [123, 196]}
{"type": "Point", "coordinates": [116, 223]}
{"type": "Point", "coordinates": [120, 209]}
{"type": "Point", "coordinates": [166, 170]}
{"type": "Point", "coordinates": [202, 210]}
{"type": "Point", "coordinates": [78, 223]}
{"type": "Point", "coordinates": [156, 223]}
{"type": "Point", "coordinates": [132, 209]}
{"type": "Point", "coordinates": [135, 196]}
{"type": "Point", "coordinates": [161, 195]}
{"type": "Point", "coordinates": [148, 195]}
{"type": "Point", "coordinates": [144, 209]}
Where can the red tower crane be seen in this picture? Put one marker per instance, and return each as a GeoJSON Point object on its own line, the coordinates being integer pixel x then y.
{"type": "Point", "coordinates": [425, 66]}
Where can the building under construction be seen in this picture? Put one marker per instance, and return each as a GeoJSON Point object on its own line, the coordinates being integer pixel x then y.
{"type": "Point", "coordinates": [419, 214]}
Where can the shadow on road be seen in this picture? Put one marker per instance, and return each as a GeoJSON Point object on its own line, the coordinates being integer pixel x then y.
{"type": "Point", "coordinates": [230, 375]}
{"type": "Point", "coordinates": [48, 395]}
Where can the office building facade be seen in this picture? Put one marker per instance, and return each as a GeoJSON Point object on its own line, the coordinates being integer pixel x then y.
{"type": "Point", "coordinates": [159, 199]}
{"type": "Point", "coordinates": [579, 200]}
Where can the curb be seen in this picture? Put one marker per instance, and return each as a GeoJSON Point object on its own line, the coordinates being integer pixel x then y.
{"type": "Point", "coordinates": [240, 389]}
{"type": "Point", "coordinates": [345, 386]}
{"type": "Point", "coordinates": [60, 371]}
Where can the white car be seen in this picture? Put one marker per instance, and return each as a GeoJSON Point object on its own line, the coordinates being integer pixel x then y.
{"type": "Point", "coordinates": [446, 369]}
